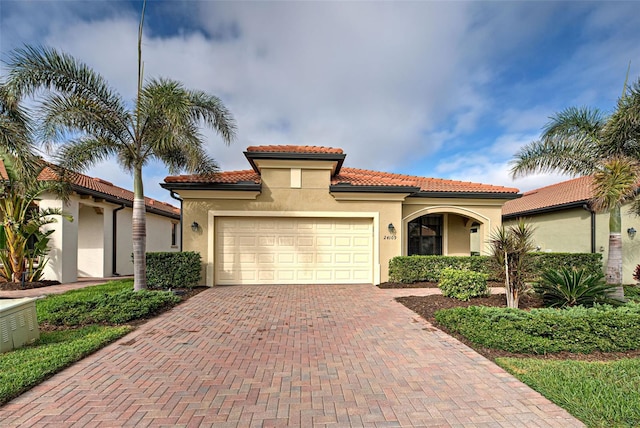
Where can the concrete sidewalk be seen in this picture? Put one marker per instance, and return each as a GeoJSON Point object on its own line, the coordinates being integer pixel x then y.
{"type": "Point", "coordinates": [275, 356]}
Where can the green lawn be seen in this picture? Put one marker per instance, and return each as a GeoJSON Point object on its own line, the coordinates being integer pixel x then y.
{"type": "Point", "coordinates": [601, 394]}
{"type": "Point", "coordinates": [90, 318]}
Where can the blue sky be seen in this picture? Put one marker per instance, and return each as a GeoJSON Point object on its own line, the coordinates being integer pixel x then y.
{"type": "Point", "coordinates": [437, 89]}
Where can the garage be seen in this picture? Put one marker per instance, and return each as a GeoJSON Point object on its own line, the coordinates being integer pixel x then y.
{"type": "Point", "coordinates": [286, 250]}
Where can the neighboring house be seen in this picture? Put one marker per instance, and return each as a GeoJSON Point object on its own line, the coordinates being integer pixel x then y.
{"type": "Point", "coordinates": [97, 243]}
{"type": "Point", "coordinates": [299, 217]}
{"type": "Point", "coordinates": [564, 222]}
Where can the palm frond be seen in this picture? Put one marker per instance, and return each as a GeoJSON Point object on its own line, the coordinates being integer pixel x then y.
{"type": "Point", "coordinates": [615, 183]}
{"type": "Point", "coordinates": [570, 143]}
{"type": "Point", "coordinates": [36, 67]}
{"type": "Point", "coordinates": [622, 133]}
{"type": "Point", "coordinates": [80, 154]}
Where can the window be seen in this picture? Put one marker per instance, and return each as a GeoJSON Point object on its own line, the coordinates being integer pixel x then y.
{"type": "Point", "coordinates": [425, 235]}
{"type": "Point", "coordinates": [174, 234]}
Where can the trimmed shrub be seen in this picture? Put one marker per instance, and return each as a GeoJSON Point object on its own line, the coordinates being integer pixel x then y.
{"type": "Point", "coordinates": [173, 270]}
{"type": "Point", "coordinates": [590, 262]}
{"type": "Point", "coordinates": [574, 287]}
{"type": "Point", "coordinates": [541, 331]}
{"type": "Point", "coordinates": [408, 269]}
{"type": "Point", "coordinates": [463, 284]}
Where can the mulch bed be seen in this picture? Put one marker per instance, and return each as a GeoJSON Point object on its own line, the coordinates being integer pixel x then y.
{"type": "Point", "coordinates": [7, 286]}
{"type": "Point", "coordinates": [426, 306]}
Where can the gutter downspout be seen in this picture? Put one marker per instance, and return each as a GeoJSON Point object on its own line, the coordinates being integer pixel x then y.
{"type": "Point", "coordinates": [114, 230]}
{"type": "Point", "coordinates": [178, 198]}
{"type": "Point", "coordinates": [593, 227]}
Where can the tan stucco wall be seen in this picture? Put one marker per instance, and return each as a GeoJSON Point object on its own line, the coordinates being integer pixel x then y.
{"type": "Point", "coordinates": [559, 232]}
{"type": "Point", "coordinates": [570, 231]}
{"type": "Point", "coordinates": [280, 196]}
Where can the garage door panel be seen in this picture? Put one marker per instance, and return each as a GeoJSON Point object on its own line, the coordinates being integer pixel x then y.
{"type": "Point", "coordinates": [293, 250]}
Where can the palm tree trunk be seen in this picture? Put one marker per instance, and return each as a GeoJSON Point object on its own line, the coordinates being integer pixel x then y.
{"type": "Point", "coordinates": [614, 262]}
{"type": "Point", "coordinates": [139, 233]}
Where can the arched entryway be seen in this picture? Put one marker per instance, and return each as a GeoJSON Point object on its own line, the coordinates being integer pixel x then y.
{"type": "Point", "coordinates": [445, 231]}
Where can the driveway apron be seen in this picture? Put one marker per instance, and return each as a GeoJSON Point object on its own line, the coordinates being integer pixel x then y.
{"type": "Point", "coordinates": [271, 356]}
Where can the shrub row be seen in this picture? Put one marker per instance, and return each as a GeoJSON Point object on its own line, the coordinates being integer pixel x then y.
{"type": "Point", "coordinates": [408, 269]}
{"type": "Point", "coordinates": [542, 331]}
{"type": "Point", "coordinates": [111, 308]}
{"type": "Point", "coordinates": [173, 270]}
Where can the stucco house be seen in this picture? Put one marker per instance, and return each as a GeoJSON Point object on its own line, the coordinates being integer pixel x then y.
{"type": "Point", "coordinates": [299, 217]}
{"type": "Point", "coordinates": [565, 222]}
{"type": "Point", "coordinates": [98, 243]}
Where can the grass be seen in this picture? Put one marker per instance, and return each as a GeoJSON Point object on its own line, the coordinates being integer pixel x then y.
{"type": "Point", "coordinates": [90, 319]}
{"type": "Point", "coordinates": [601, 394]}
{"type": "Point", "coordinates": [24, 368]}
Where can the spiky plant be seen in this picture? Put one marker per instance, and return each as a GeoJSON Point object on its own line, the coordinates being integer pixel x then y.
{"type": "Point", "coordinates": [510, 251]}
{"type": "Point", "coordinates": [574, 287]}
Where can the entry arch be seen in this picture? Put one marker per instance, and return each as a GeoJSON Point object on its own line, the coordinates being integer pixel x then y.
{"type": "Point", "coordinates": [473, 218]}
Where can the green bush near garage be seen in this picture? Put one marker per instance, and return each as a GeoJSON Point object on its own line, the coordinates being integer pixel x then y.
{"type": "Point", "coordinates": [173, 270]}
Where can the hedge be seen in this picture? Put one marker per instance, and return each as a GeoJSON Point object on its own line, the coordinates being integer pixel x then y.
{"type": "Point", "coordinates": [408, 269]}
{"type": "Point", "coordinates": [173, 270]}
{"type": "Point", "coordinates": [542, 331]}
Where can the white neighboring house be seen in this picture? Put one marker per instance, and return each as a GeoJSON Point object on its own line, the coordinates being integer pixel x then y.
{"type": "Point", "coordinates": [98, 242]}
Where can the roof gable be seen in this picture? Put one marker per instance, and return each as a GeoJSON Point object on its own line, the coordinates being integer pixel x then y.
{"type": "Point", "coordinates": [343, 179]}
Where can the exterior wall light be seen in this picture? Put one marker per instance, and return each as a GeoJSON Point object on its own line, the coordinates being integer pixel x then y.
{"type": "Point", "coordinates": [631, 232]}
{"type": "Point", "coordinates": [195, 226]}
{"type": "Point", "coordinates": [391, 228]}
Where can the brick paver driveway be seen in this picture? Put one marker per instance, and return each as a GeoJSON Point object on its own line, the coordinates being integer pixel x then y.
{"type": "Point", "coordinates": [285, 356]}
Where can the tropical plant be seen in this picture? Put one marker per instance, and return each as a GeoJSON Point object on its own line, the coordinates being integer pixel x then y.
{"type": "Point", "coordinates": [162, 124]}
{"type": "Point", "coordinates": [510, 251]}
{"type": "Point", "coordinates": [574, 287]}
{"type": "Point", "coordinates": [24, 245]}
{"type": "Point", "coordinates": [15, 132]}
{"type": "Point", "coordinates": [574, 142]}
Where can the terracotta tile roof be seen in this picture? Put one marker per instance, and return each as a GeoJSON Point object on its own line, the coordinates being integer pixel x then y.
{"type": "Point", "coordinates": [571, 191]}
{"type": "Point", "coordinates": [227, 177]}
{"type": "Point", "coordinates": [294, 149]}
{"type": "Point", "coordinates": [356, 177]}
{"type": "Point", "coordinates": [83, 182]}
{"type": "Point", "coordinates": [363, 177]}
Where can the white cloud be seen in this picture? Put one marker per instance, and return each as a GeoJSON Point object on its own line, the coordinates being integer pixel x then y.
{"type": "Point", "coordinates": [462, 85]}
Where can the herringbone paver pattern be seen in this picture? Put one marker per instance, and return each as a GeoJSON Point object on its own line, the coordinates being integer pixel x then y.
{"type": "Point", "coordinates": [275, 356]}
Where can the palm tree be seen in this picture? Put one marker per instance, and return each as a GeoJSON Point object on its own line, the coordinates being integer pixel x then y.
{"type": "Point", "coordinates": [162, 124]}
{"type": "Point", "coordinates": [573, 142]}
{"type": "Point", "coordinates": [15, 132]}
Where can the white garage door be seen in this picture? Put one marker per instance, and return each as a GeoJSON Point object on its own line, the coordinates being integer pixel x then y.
{"type": "Point", "coordinates": [278, 250]}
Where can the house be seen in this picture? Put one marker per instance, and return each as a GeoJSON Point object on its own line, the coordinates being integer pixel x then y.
{"type": "Point", "coordinates": [299, 217]}
{"type": "Point", "coordinates": [98, 243]}
{"type": "Point", "coordinates": [564, 222]}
